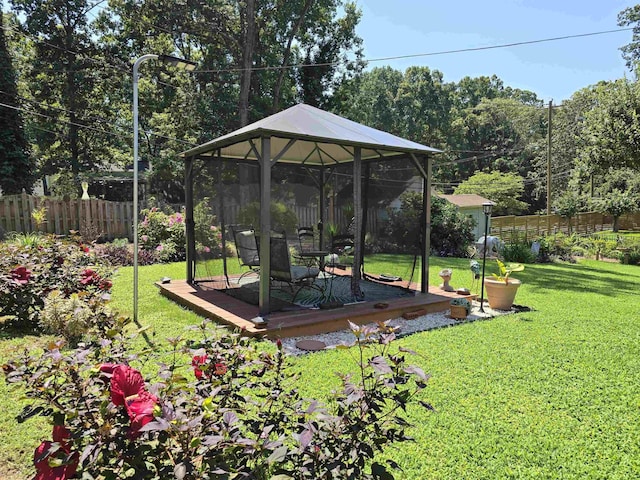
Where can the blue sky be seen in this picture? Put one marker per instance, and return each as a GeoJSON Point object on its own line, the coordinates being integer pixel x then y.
{"type": "Point", "coordinates": [553, 70]}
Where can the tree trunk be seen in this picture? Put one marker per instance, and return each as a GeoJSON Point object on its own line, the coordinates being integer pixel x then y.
{"type": "Point", "coordinates": [287, 55]}
{"type": "Point", "coordinates": [248, 16]}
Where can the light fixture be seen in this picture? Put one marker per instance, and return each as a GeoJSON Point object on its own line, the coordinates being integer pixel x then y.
{"type": "Point", "coordinates": [187, 65]}
{"type": "Point", "coordinates": [178, 62]}
{"type": "Point", "coordinates": [486, 209]}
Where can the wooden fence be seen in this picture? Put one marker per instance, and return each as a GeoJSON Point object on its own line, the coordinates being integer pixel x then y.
{"type": "Point", "coordinates": [531, 226]}
{"type": "Point", "coordinates": [115, 219]}
{"type": "Point", "coordinates": [109, 219]}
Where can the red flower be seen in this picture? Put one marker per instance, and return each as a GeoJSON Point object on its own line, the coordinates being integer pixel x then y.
{"type": "Point", "coordinates": [58, 465]}
{"type": "Point", "coordinates": [84, 248]}
{"type": "Point", "coordinates": [89, 277]}
{"type": "Point", "coordinates": [219, 369]}
{"type": "Point", "coordinates": [21, 275]}
{"type": "Point", "coordinates": [105, 284]}
{"type": "Point", "coordinates": [140, 410]}
{"type": "Point", "coordinates": [196, 363]}
{"type": "Point", "coordinates": [125, 382]}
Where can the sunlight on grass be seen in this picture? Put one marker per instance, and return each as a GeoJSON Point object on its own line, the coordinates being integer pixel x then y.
{"type": "Point", "coordinates": [520, 396]}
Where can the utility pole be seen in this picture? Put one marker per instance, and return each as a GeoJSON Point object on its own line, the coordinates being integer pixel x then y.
{"type": "Point", "coordinates": [549, 158]}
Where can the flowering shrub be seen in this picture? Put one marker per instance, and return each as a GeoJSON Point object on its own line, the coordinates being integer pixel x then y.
{"type": "Point", "coordinates": [221, 409]}
{"type": "Point", "coordinates": [28, 272]}
{"type": "Point", "coordinates": [163, 233]}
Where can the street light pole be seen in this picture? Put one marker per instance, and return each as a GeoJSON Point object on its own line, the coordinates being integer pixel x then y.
{"type": "Point", "coordinates": [486, 209]}
{"type": "Point", "coordinates": [187, 65]}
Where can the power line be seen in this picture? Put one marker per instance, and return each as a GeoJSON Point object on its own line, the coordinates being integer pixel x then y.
{"type": "Point", "coordinates": [417, 55]}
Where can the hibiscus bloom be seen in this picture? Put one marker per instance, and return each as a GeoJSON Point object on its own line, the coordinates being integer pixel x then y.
{"type": "Point", "coordinates": [21, 275]}
{"type": "Point", "coordinates": [125, 382]}
{"type": "Point", "coordinates": [140, 410]}
{"type": "Point", "coordinates": [89, 277]}
{"type": "Point", "coordinates": [197, 362]}
{"type": "Point", "coordinates": [59, 465]}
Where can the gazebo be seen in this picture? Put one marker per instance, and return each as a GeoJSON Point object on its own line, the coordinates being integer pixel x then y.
{"type": "Point", "coordinates": [318, 141]}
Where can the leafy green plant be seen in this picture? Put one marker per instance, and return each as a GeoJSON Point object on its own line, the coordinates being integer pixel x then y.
{"type": "Point", "coordinates": [505, 271]}
{"type": "Point", "coordinates": [282, 217]}
{"type": "Point", "coordinates": [28, 272]}
{"type": "Point", "coordinates": [518, 249]}
{"type": "Point", "coordinates": [237, 414]}
{"type": "Point", "coordinates": [462, 302]}
{"type": "Point", "coordinates": [39, 216]}
{"type": "Point", "coordinates": [163, 233]}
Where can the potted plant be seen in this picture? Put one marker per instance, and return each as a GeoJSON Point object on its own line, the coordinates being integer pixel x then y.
{"type": "Point", "coordinates": [459, 308]}
{"type": "Point", "coordinates": [501, 288]}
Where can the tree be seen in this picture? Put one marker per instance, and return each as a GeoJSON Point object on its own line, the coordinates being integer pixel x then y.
{"type": "Point", "coordinates": [569, 205]}
{"type": "Point", "coordinates": [616, 204]}
{"type": "Point", "coordinates": [17, 168]}
{"type": "Point", "coordinates": [503, 189]}
{"type": "Point", "coordinates": [612, 127]}
{"type": "Point", "coordinates": [631, 51]}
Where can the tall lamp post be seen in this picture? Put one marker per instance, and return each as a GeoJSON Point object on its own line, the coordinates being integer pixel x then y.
{"type": "Point", "coordinates": [486, 209]}
{"type": "Point", "coordinates": [178, 62]}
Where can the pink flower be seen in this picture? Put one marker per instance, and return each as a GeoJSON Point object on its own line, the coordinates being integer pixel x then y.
{"type": "Point", "coordinates": [21, 275]}
{"type": "Point", "coordinates": [144, 238]}
{"type": "Point", "coordinates": [125, 382]}
{"type": "Point", "coordinates": [207, 250]}
{"type": "Point", "coordinates": [140, 410]}
{"type": "Point", "coordinates": [220, 369]}
{"type": "Point", "coordinates": [213, 228]}
{"type": "Point", "coordinates": [159, 248]}
{"type": "Point", "coordinates": [145, 222]}
{"type": "Point", "coordinates": [68, 461]}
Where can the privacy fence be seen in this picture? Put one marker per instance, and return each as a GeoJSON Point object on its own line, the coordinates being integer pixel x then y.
{"type": "Point", "coordinates": [115, 219]}
{"type": "Point", "coordinates": [531, 226]}
{"type": "Point", "coordinates": [97, 217]}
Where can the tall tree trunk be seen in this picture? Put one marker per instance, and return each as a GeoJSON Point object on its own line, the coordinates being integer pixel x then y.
{"type": "Point", "coordinates": [70, 94]}
{"type": "Point", "coordinates": [248, 16]}
{"type": "Point", "coordinates": [287, 55]}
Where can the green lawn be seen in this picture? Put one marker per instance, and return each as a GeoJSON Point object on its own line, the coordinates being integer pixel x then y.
{"type": "Point", "coordinates": [552, 393]}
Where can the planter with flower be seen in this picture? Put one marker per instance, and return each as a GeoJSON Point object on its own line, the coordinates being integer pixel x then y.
{"type": "Point", "coordinates": [459, 308]}
{"type": "Point", "coordinates": [501, 288]}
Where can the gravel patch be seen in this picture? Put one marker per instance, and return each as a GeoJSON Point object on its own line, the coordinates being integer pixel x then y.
{"type": "Point", "coordinates": [405, 327]}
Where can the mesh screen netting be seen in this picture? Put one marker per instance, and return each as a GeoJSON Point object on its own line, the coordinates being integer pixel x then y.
{"type": "Point", "coordinates": [227, 213]}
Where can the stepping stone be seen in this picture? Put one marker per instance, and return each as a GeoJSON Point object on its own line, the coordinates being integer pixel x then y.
{"type": "Point", "coordinates": [311, 345]}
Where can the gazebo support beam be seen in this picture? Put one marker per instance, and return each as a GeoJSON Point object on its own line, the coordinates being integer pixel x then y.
{"type": "Point", "coordinates": [357, 211]}
{"type": "Point", "coordinates": [189, 223]}
{"type": "Point", "coordinates": [426, 231]}
{"type": "Point", "coordinates": [265, 226]}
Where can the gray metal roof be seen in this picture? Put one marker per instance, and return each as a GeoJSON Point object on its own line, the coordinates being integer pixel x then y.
{"type": "Point", "coordinates": [320, 138]}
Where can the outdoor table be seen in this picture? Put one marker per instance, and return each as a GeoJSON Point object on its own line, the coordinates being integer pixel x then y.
{"type": "Point", "coordinates": [311, 254]}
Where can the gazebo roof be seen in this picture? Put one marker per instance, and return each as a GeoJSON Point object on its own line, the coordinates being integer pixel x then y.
{"type": "Point", "coordinates": [307, 135]}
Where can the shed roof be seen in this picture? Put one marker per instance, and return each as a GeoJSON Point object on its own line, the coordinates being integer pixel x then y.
{"type": "Point", "coordinates": [465, 199]}
{"type": "Point", "coordinates": [307, 135]}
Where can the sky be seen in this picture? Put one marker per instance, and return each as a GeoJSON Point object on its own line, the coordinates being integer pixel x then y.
{"type": "Point", "coordinates": [553, 70]}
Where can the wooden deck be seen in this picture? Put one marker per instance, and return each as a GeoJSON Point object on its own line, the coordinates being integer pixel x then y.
{"type": "Point", "coordinates": [205, 300]}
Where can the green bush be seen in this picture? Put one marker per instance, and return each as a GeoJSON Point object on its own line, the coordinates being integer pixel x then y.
{"type": "Point", "coordinates": [30, 270]}
{"type": "Point", "coordinates": [282, 217]}
{"type": "Point", "coordinates": [164, 233]}
{"type": "Point", "coordinates": [518, 249]}
{"type": "Point", "coordinates": [236, 414]}
{"type": "Point", "coordinates": [451, 231]}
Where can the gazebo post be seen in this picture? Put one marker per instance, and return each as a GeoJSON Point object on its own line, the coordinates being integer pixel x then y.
{"type": "Point", "coordinates": [426, 231]}
{"type": "Point", "coordinates": [321, 206]}
{"type": "Point", "coordinates": [265, 225]}
{"type": "Point", "coordinates": [189, 223]}
{"type": "Point", "coordinates": [357, 212]}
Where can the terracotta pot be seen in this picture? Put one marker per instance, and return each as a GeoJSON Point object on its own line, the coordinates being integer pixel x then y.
{"type": "Point", "coordinates": [500, 294]}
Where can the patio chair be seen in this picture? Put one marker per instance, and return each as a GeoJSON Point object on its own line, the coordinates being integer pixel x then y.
{"type": "Point", "coordinates": [244, 237]}
{"type": "Point", "coordinates": [307, 253]}
{"type": "Point", "coordinates": [297, 276]}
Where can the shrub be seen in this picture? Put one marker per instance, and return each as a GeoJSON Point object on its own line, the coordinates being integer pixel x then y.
{"type": "Point", "coordinates": [29, 271]}
{"type": "Point", "coordinates": [282, 217]}
{"type": "Point", "coordinates": [451, 231]}
{"type": "Point", "coordinates": [518, 250]}
{"type": "Point", "coordinates": [78, 316]}
{"type": "Point", "coordinates": [164, 233]}
{"type": "Point", "coordinates": [631, 257]}
{"type": "Point", "coordinates": [235, 413]}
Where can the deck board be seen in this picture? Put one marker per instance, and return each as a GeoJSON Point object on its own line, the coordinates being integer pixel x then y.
{"type": "Point", "coordinates": [205, 300]}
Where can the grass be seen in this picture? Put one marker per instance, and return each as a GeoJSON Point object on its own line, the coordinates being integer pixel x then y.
{"type": "Point", "coordinates": [551, 393]}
